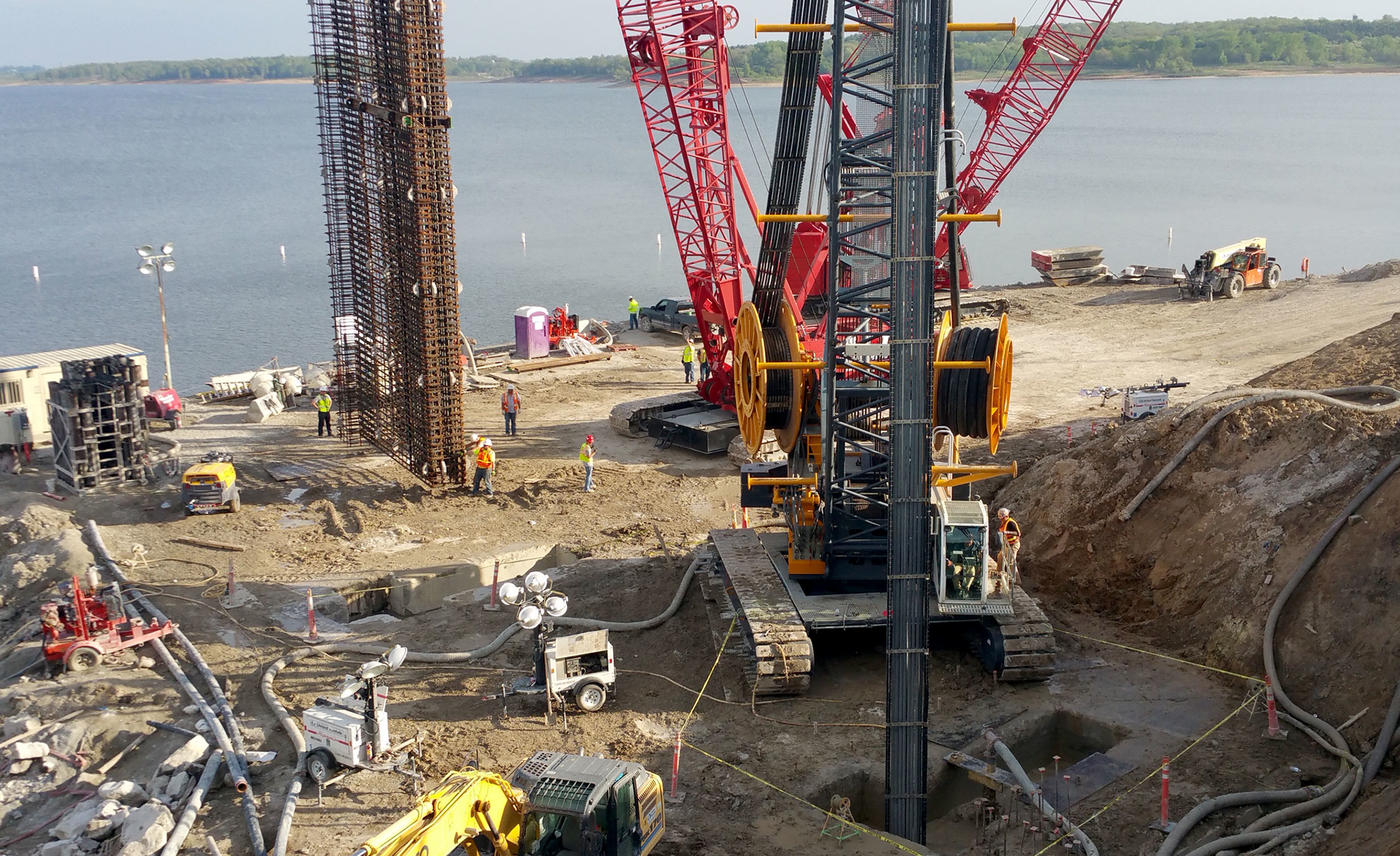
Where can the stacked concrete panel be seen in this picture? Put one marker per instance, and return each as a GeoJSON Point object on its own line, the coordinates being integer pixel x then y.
{"type": "Point", "coordinates": [1071, 265]}
{"type": "Point", "coordinates": [98, 424]}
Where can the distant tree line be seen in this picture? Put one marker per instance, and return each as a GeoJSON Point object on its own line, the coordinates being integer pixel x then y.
{"type": "Point", "coordinates": [1287, 44]}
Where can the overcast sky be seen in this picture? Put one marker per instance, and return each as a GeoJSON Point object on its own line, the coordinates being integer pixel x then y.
{"type": "Point", "coordinates": [62, 32]}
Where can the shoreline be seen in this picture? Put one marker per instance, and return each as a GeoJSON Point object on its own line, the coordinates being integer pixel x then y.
{"type": "Point", "coordinates": [960, 78]}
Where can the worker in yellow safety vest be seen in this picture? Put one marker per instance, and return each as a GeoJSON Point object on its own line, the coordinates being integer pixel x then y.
{"type": "Point", "coordinates": [1010, 532]}
{"type": "Point", "coordinates": [704, 360]}
{"type": "Point", "coordinates": [323, 414]}
{"type": "Point", "coordinates": [688, 361]}
{"type": "Point", "coordinates": [632, 307]}
{"type": "Point", "coordinates": [585, 454]}
{"type": "Point", "coordinates": [485, 463]}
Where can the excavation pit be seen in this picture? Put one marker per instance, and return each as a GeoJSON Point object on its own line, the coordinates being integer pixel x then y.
{"type": "Point", "coordinates": [458, 586]}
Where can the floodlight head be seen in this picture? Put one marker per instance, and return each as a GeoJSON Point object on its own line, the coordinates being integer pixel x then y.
{"type": "Point", "coordinates": [511, 594]}
{"type": "Point", "coordinates": [373, 669]}
{"type": "Point", "coordinates": [168, 265]}
{"type": "Point", "coordinates": [351, 685]}
{"type": "Point", "coordinates": [556, 605]}
{"type": "Point", "coordinates": [537, 582]}
{"type": "Point", "coordinates": [145, 251]}
{"type": "Point", "coordinates": [529, 616]}
{"type": "Point", "coordinates": [394, 657]}
{"type": "Point", "coordinates": [167, 248]}
{"type": "Point", "coordinates": [147, 268]}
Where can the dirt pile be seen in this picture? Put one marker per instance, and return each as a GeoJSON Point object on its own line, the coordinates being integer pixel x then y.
{"type": "Point", "coordinates": [1198, 566]}
{"type": "Point", "coordinates": [1372, 272]}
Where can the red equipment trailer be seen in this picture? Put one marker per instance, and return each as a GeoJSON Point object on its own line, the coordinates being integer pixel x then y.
{"type": "Point", "coordinates": [86, 626]}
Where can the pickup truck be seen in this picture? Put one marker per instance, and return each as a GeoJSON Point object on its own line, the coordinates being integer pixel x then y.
{"type": "Point", "coordinates": [678, 316]}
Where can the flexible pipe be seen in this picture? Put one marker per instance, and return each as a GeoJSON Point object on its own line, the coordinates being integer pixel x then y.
{"type": "Point", "coordinates": [192, 806]}
{"type": "Point", "coordinates": [237, 763]}
{"type": "Point", "coordinates": [1377, 756]}
{"type": "Point", "coordinates": [1051, 813]}
{"type": "Point", "coordinates": [289, 725]}
{"type": "Point", "coordinates": [1339, 794]}
{"type": "Point", "coordinates": [1325, 396]}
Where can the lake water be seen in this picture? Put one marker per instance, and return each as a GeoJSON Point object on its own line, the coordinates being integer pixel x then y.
{"type": "Point", "coordinates": [230, 173]}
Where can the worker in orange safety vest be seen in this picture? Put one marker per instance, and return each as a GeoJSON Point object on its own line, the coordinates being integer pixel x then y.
{"type": "Point", "coordinates": [485, 463]}
{"type": "Point", "coordinates": [1010, 532]}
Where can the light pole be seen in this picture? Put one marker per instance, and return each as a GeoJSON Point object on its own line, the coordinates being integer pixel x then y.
{"type": "Point", "coordinates": [153, 262]}
{"type": "Point", "coordinates": [539, 604]}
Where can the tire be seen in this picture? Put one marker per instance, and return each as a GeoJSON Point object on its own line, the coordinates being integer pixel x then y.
{"type": "Point", "coordinates": [590, 696]}
{"type": "Point", "coordinates": [1234, 286]}
{"type": "Point", "coordinates": [1272, 275]}
{"type": "Point", "coordinates": [646, 324]}
{"type": "Point", "coordinates": [176, 422]}
{"type": "Point", "coordinates": [320, 766]}
{"type": "Point", "coordinates": [235, 503]}
{"type": "Point", "coordinates": [990, 648]}
{"type": "Point", "coordinates": [685, 332]}
{"type": "Point", "coordinates": [80, 658]}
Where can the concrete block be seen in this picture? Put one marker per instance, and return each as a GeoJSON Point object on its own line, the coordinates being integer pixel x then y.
{"type": "Point", "coordinates": [76, 820]}
{"type": "Point", "coordinates": [194, 749]}
{"type": "Point", "coordinates": [177, 785]}
{"type": "Point", "coordinates": [23, 751]}
{"type": "Point", "coordinates": [148, 826]}
{"type": "Point", "coordinates": [67, 847]}
{"type": "Point", "coordinates": [122, 790]}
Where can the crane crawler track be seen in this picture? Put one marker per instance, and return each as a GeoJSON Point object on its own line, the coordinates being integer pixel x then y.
{"type": "Point", "coordinates": [741, 580]}
{"type": "Point", "coordinates": [1028, 639]}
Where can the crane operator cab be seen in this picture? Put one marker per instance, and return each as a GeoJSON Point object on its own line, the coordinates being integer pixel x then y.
{"type": "Point", "coordinates": [967, 584]}
{"type": "Point", "coordinates": [581, 806]}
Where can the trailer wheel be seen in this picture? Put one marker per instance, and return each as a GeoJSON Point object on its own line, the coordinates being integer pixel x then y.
{"type": "Point", "coordinates": [320, 766]}
{"type": "Point", "coordinates": [80, 658]}
{"type": "Point", "coordinates": [1272, 276]}
{"type": "Point", "coordinates": [235, 503]}
{"type": "Point", "coordinates": [176, 421]}
{"type": "Point", "coordinates": [590, 697]}
{"type": "Point", "coordinates": [1234, 286]}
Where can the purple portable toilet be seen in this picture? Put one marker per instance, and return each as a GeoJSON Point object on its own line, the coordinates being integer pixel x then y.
{"type": "Point", "coordinates": [531, 332]}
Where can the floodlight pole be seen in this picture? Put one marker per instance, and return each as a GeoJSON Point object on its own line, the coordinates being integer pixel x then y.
{"type": "Point", "coordinates": [164, 335]}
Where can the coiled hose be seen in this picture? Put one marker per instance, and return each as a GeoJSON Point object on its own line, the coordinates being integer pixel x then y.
{"type": "Point", "coordinates": [289, 725]}
{"type": "Point", "coordinates": [1328, 804]}
{"type": "Point", "coordinates": [1257, 396]}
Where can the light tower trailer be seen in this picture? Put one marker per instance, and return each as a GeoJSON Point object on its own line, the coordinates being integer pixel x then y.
{"type": "Point", "coordinates": [578, 666]}
{"type": "Point", "coordinates": [351, 732]}
{"type": "Point", "coordinates": [1140, 402]}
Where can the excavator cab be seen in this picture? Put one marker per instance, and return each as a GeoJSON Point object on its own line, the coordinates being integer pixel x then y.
{"type": "Point", "coordinates": [575, 805]}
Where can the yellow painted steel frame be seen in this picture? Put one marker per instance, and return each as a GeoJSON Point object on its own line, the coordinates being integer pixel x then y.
{"type": "Point", "coordinates": [465, 805]}
{"type": "Point", "coordinates": [952, 475]}
{"type": "Point", "coordinates": [801, 566]}
{"type": "Point", "coordinates": [999, 388]}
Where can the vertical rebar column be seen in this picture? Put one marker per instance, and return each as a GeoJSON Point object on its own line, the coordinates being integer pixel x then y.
{"type": "Point", "coordinates": [920, 28]}
{"type": "Point", "coordinates": [382, 97]}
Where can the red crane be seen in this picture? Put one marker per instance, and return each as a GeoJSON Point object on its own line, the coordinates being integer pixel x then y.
{"type": "Point", "coordinates": [1017, 112]}
{"type": "Point", "coordinates": [680, 68]}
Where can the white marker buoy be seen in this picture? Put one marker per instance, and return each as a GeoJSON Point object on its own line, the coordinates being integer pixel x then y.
{"type": "Point", "coordinates": [283, 248]}
{"type": "Point", "coordinates": [522, 239]}
{"type": "Point", "coordinates": [36, 274]}
{"type": "Point", "coordinates": [1169, 237]}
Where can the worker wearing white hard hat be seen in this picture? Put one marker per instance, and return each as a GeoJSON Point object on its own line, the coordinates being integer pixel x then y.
{"type": "Point", "coordinates": [485, 463]}
{"type": "Point", "coordinates": [510, 406]}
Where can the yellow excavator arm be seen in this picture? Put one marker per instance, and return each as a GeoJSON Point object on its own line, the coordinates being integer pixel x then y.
{"type": "Point", "coordinates": [475, 810]}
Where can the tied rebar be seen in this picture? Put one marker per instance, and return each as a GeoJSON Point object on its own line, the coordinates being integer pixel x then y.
{"type": "Point", "coordinates": [382, 99]}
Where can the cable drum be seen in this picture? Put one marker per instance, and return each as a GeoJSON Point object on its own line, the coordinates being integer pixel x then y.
{"type": "Point", "coordinates": [971, 402]}
{"type": "Point", "coordinates": [779, 397]}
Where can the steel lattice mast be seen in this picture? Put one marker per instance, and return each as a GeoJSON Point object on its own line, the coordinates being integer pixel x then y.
{"type": "Point", "coordinates": [1016, 113]}
{"type": "Point", "coordinates": [681, 71]}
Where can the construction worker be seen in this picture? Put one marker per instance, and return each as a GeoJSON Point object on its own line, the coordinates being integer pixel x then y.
{"type": "Point", "coordinates": [632, 307]}
{"type": "Point", "coordinates": [585, 454]}
{"type": "Point", "coordinates": [485, 463]}
{"type": "Point", "coordinates": [1010, 532]}
{"type": "Point", "coordinates": [688, 361]}
{"type": "Point", "coordinates": [704, 361]}
{"type": "Point", "coordinates": [323, 413]}
{"type": "Point", "coordinates": [510, 405]}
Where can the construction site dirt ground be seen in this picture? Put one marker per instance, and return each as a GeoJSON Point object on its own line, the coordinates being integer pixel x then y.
{"type": "Point", "coordinates": [1191, 575]}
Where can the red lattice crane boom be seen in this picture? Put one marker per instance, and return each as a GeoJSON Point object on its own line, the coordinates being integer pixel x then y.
{"type": "Point", "coordinates": [681, 71]}
{"type": "Point", "coordinates": [1051, 59]}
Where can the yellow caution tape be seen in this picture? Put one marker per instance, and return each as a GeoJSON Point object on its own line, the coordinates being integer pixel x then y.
{"type": "Point", "coordinates": [1161, 655]}
{"type": "Point", "coordinates": [713, 666]}
{"type": "Point", "coordinates": [860, 827]}
{"type": "Point", "coordinates": [1248, 702]}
